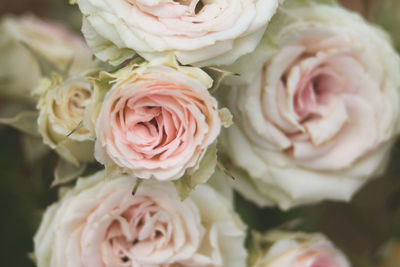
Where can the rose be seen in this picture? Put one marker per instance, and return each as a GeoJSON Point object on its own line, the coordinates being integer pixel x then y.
{"type": "Point", "coordinates": [318, 120]}
{"type": "Point", "coordinates": [62, 106]}
{"type": "Point", "coordinates": [198, 32]}
{"type": "Point", "coordinates": [157, 120]}
{"type": "Point", "coordinates": [100, 223]}
{"type": "Point", "coordinates": [19, 69]}
{"type": "Point", "coordinates": [298, 250]}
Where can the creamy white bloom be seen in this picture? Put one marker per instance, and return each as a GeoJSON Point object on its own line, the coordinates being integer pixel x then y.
{"type": "Point", "coordinates": [299, 250]}
{"type": "Point", "coordinates": [198, 32]}
{"type": "Point", "coordinates": [157, 120]}
{"type": "Point", "coordinates": [100, 223]}
{"type": "Point", "coordinates": [62, 106]}
{"type": "Point", "coordinates": [19, 70]}
{"type": "Point", "coordinates": [320, 116]}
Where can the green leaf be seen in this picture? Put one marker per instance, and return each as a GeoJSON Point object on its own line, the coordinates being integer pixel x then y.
{"type": "Point", "coordinates": [25, 121]}
{"type": "Point", "coordinates": [188, 182]}
{"type": "Point", "coordinates": [66, 172]}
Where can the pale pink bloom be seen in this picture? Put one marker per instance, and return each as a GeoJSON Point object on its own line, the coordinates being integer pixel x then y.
{"type": "Point", "coordinates": [300, 250]}
{"type": "Point", "coordinates": [157, 122]}
{"type": "Point", "coordinates": [99, 223]}
{"type": "Point", "coordinates": [319, 117]}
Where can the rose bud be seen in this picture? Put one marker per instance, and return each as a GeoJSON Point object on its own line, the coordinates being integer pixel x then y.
{"type": "Point", "coordinates": [278, 249]}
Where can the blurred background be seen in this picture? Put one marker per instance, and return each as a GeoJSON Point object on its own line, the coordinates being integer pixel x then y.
{"type": "Point", "coordinates": [367, 229]}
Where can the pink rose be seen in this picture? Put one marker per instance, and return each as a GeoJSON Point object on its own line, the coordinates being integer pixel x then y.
{"type": "Point", "coordinates": [157, 121]}
{"type": "Point", "coordinates": [298, 250]}
{"type": "Point", "coordinates": [99, 223]}
{"type": "Point", "coordinates": [321, 114]}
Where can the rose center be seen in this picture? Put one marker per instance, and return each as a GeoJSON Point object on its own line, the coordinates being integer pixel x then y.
{"type": "Point", "coordinates": [316, 258]}
{"type": "Point", "coordinates": [71, 108]}
{"type": "Point", "coordinates": [140, 231]}
{"type": "Point", "coordinates": [313, 93]}
{"type": "Point", "coordinates": [152, 129]}
{"type": "Point", "coordinates": [323, 261]}
{"type": "Point", "coordinates": [77, 103]}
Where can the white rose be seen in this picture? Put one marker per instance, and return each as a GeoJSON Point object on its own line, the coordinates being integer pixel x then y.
{"type": "Point", "coordinates": [299, 250]}
{"type": "Point", "coordinates": [198, 32]}
{"type": "Point", "coordinates": [100, 223]}
{"type": "Point", "coordinates": [62, 106]}
{"type": "Point", "coordinates": [319, 119]}
{"type": "Point", "coordinates": [19, 69]}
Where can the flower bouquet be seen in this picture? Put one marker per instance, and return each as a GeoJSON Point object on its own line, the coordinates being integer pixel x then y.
{"type": "Point", "coordinates": [205, 133]}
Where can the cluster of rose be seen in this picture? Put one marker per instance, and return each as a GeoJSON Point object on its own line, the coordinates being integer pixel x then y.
{"type": "Point", "coordinates": [184, 102]}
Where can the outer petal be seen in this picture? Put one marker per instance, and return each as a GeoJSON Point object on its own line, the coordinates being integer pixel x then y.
{"type": "Point", "coordinates": [218, 34]}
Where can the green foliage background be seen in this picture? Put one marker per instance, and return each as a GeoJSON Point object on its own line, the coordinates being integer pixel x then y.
{"type": "Point", "coordinates": [360, 229]}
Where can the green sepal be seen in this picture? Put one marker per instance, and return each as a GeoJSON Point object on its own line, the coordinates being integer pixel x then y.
{"type": "Point", "coordinates": [218, 75]}
{"type": "Point", "coordinates": [68, 148]}
{"type": "Point", "coordinates": [65, 172]}
{"type": "Point", "coordinates": [226, 117]}
{"type": "Point", "coordinates": [137, 60]}
{"type": "Point", "coordinates": [254, 254]}
{"type": "Point", "coordinates": [104, 81]}
{"type": "Point", "coordinates": [189, 181]}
